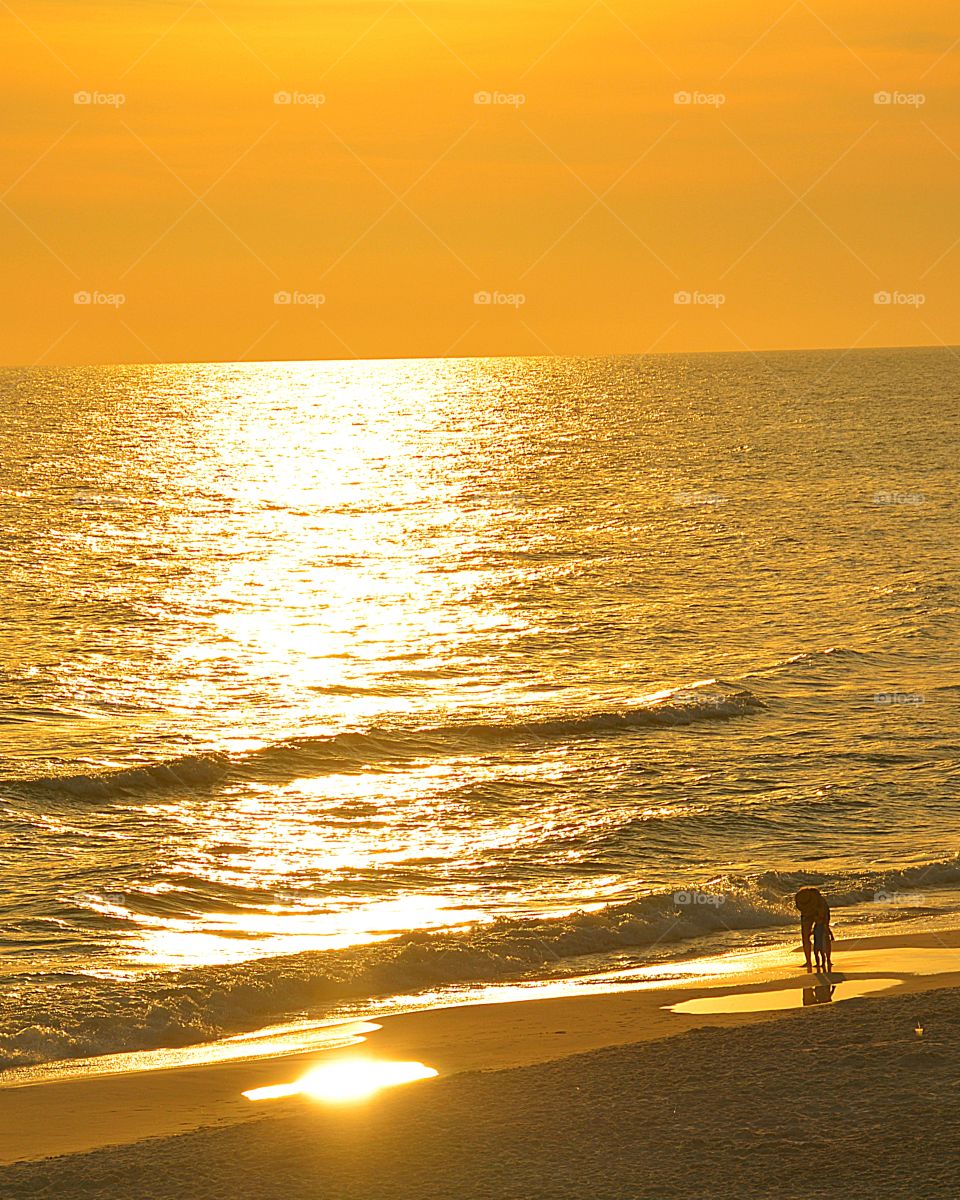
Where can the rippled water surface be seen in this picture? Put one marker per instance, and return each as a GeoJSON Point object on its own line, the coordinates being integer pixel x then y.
{"type": "Point", "coordinates": [560, 656]}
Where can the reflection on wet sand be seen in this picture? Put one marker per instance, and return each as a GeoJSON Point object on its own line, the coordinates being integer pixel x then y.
{"type": "Point", "coordinates": [270, 1042]}
{"type": "Point", "coordinates": [821, 993]}
{"type": "Point", "coordinates": [837, 987]}
{"type": "Point", "coordinates": [347, 1080]}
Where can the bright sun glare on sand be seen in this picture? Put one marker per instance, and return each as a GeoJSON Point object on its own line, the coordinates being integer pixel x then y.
{"type": "Point", "coordinates": [348, 1080]}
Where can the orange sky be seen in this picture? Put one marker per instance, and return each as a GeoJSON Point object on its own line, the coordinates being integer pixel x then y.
{"type": "Point", "coordinates": [182, 198]}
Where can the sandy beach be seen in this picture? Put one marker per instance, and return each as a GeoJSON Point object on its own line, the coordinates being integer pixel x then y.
{"type": "Point", "coordinates": [608, 1095]}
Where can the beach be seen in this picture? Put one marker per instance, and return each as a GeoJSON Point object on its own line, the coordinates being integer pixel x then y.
{"type": "Point", "coordinates": [606, 1095]}
{"type": "Point", "coordinates": [480, 603]}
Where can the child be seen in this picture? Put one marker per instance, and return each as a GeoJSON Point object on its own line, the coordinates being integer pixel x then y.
{"type": "Point", "coordinates": [822, 937]}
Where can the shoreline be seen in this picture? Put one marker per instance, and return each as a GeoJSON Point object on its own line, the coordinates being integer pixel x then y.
{"type": "Point", "coordinates": [73, 1116]}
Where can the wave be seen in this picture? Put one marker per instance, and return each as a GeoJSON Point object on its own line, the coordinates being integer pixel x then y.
{"type": "Point", "coordinates": [188, 770]}
{"type": "Point", "coordinates": [880, 886]}
{"type": "Point", "coordinates": [360, 750]}
{"type": "Point", "coordinates": [47, 1021]}
{"type": "Point", "coordinates": [808, 659]}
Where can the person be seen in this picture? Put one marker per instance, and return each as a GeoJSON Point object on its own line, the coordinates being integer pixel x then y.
{"type": "Point", "coordinates": [814, 910]}
{"type": "Point", "coordinates": [822, 937]}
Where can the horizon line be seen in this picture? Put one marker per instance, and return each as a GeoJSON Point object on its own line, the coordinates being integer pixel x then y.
{"type": "Point", "coordinates": [952, 348]}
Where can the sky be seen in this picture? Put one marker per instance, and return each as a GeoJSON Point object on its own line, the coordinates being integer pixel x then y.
{"type": "Point", "coordinates": [304, 180]}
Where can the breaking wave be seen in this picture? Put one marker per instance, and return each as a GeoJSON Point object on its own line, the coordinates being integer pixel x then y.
{"type": "Point", "coordinates": [100, 1016]}
{"type": "Point", "coordinates": [848, 888]}
{"type": "Point", "coordinates": [95, 1016]}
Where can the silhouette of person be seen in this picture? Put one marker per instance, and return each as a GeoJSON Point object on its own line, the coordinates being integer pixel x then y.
{"type": "Point", "coordinates": [822, 937]}
{"type": "Point", "coordinates": [814, 910]}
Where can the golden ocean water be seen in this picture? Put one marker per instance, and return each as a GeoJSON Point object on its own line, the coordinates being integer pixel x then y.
{"type": "Point", "coordinates": [332, 681]}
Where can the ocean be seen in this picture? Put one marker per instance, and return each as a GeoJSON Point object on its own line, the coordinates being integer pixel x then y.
{"type": "Point", "coordinates": [335, 685]}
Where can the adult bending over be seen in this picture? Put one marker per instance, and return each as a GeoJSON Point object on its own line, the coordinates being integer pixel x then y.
{"type": "Point", "coordinates": [814, 910]}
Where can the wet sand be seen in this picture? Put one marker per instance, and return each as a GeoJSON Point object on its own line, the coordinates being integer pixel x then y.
{"type": "Point", "coordinates": [595, 1085]}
